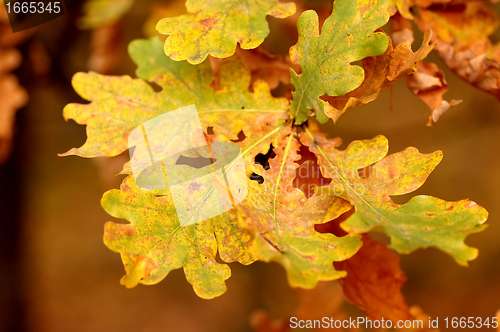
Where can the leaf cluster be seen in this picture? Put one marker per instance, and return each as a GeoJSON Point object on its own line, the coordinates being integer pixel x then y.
{"type": "Point", "coordinates": [278, 220]}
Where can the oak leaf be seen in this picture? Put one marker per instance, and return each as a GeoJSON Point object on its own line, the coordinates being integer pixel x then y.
{"type": "Point", "coordinates": [214, 27]}
{"type": "Point", "coordinates": [427, 81]}
{"type": "Point", "coordinates": [462, 42]}
{"type": "Point", "coordinates": [153, 244]}
{"type": "Point", "coordinates": [381, 72]}
{"type": "Point", "coordinates": [325, 58]}
{"type": "Point", "coordinates": [374, 280]}
{"type": "Point", "coordinates": [428, 84]}
{"type": "Point", "coordinates": [277, 220]}
{"type": "Point", "coordinates": [363, 175]}
{"type": "Point", "coordinates": [283, 219]}
{"type": "Point", "coordinates": [120, 104]}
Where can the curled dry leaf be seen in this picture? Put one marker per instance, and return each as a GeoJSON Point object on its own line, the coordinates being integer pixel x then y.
{"type": "Point", "coordinates": [462, 42]}
{"type": "Point", "coordinates": [401, 30]}
{"type": "Point", "coordinates": [428, 84]}
{"type": "Point", "coordinates": [427, 81]}
{"type": "Point", "coordinates": [270, 68]}
{"type": "Point", "coordinates": [381, 72]}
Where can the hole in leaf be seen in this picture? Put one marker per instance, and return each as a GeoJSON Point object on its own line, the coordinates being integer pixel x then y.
{"type": "Point", "coordinates": [263, 159]}
{"type": "Point", "coordinates": [210, 131]}
{"type": "Point", "coordinates": [257, 177]}
{"type": "Point", "coordinates": [197, 162]}
{"type": "Point", "coordinates": [308, 177]}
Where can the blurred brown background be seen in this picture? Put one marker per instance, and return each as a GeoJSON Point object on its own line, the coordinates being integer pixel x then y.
{"type": "Point", "coordinates": [57, 275]}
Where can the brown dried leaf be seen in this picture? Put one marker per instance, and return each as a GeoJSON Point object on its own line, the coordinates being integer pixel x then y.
{"type": "Point", "coordinates": [462, 42]}
{"type": "Point", "coordinates": [428, 81]}
{"type": "Point", "coordinates": [380, 73]}
{"type": "Point", "coordinates": [264, 66]}
{"type": "Point", "coordinates": [267, 67]}
{"type": "Point", "coordinates": [401, 30]}
{"type": "Point", "coordinates": [428, 84]}
{"type": "Point", "coordinates": [374, 281]}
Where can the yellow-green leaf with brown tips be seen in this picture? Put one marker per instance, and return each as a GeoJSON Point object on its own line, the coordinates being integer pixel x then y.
{"type": "Point", "coordinates": [363, 175]}
{"type": "Point", "coordinates": [215, 27]}
{"type": "Point", "coordinates": [282, 220]}
{"type": "Point", "coordinates": [348, 35]}
{"type": "Point", "coordinates": [153, 244]}
{"type": "Point", "coordinates": [118, 104]}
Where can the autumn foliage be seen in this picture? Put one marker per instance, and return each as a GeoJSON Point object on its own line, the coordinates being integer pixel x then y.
{"type": "Point", "coordinates": [295, 212]}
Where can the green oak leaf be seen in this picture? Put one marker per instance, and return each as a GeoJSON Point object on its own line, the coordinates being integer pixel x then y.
{"type": "Point", "coordinates": [282, 220]}
{"type": "Point", "coordinates": [215, 26]}
{"type": "Point", "coordinates": [363, 175]}
{"type": "Point", "coordinates": [325, 59]}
